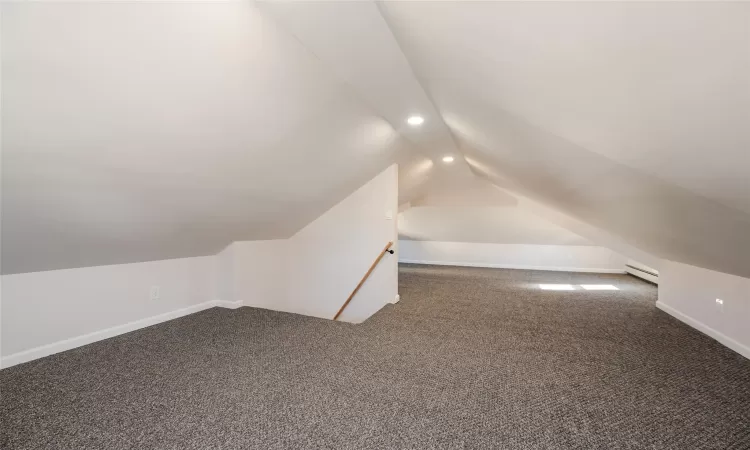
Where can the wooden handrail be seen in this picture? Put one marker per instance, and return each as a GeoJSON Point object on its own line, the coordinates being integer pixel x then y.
{"type": "Point", "coordinates": [364, 278]}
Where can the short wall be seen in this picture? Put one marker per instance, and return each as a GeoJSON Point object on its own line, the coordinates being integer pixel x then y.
{"type": "Point", "coordinates": [572, 258]}
{"type": "Point", "coordinates": [311, 273]}
{"type": "Point", "coordinates": [253, 273]}
{"type": "Point", "coordinates": [52, 311]}
{"type": "Point", "coordinates": [329, 257]}
{"type": "Point", "coordinates": [314, 271]}
{"type": "Point", "coordinates": [689, 293]}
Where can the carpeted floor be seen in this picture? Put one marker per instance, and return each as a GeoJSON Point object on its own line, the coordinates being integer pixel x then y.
{"type": "Point", "coordinates": [470, 358]}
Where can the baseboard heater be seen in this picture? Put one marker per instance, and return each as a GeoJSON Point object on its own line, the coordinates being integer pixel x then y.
{"type": "Point", "coordinates": [643, 274]}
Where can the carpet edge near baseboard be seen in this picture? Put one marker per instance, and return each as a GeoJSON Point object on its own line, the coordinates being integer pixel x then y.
{"type": "Point", "coordinates": [721, 338]}
{"type": "Point", "coordinates": [95, 336]}
{"type": "Point", "coordinates": [511, 266]}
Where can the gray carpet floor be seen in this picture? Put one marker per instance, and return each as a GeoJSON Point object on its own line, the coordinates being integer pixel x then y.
{"type": "Point", "coordinates": [470, 358]}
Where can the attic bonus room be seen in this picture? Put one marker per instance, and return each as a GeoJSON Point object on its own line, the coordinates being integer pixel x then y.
{"type": "Point", "coordinates": [374, 225]}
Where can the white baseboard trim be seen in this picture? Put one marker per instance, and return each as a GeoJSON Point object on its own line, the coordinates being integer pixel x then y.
{"type": "Point", "coordinates": [395, 300]}
{"type": "Point", "coordinates": [642, 275]}
{"type": "Point", "coordinates": [78, 341]}
{"type": "Point", "coordinates": [512, 266]}
{"type": "Point", "coordinates": [705, 329]}
{"type": "Point", "coordinates": [226, 304]}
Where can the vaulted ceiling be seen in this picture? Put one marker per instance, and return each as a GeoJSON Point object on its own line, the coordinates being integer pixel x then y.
{"type": "Point", "coordinates": [150, 130]}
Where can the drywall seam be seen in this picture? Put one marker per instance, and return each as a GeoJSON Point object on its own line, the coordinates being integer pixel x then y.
{"type": "Point", "coordinates": [512, 266]}
{"type": "Point", "coordinates": [89, 338]}
{"type": "Point", "coordinates": [705, 329]}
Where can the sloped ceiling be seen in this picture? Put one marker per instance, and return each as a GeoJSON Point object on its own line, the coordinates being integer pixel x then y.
{"type": "Point", "coordinates": [487, 225]}
{"type": "Point", "coordinates": [136, 131]}
{"type": "Point", "coordinates": [479, 212]}
{"type": "Point", "coordinates": [630, 116]}
{"type": "Point", "coordinates": [139, 131]}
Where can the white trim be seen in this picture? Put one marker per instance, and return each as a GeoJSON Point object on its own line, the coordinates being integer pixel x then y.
{"type": "Point", "coordinates": [227, 304]}
{"type": "Point", "coordinates": [705, 329]}
{"type": "Point", "coordinates": [395, 300]}
{"type": "Point", "coordinates": [78, 341]}
{"type": "Point", "coordinates": [512, 266]}
{"type": "Point", "coordinates": [642, 275]}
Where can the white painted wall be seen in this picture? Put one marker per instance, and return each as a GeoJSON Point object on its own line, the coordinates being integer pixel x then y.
{"type": "Point", "coordinates": [640, 270]}
{"type": "Point", "coordinates": [516, 256]}
{"type": "Point", "coordinates": [311, 273]}
{"type": "Point", "coordinates": [314, 271]}
{"type": "Point", "coordinates": [507, 231]}
{"type": "Point", "coordinates": [253, 273]}
{"type": "Point", "coordinates": [328, 257]}
{"type": "Point", "coordinates": [689, 293]}
{"type": "Point", "coordinates": [47, 308]}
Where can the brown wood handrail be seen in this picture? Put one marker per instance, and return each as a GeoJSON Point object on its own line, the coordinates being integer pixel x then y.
{"type": "Point", "coordinates": [364, 278]}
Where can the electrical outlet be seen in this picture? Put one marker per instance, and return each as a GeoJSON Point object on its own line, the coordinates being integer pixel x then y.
{"type": "Point", "coordinates": [720, 305]}
{"type": "Point", "coordinates": [154, 292]}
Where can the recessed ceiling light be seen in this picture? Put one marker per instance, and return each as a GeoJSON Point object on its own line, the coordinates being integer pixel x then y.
{"type": "Point", "coordinates": [415, 121]}
{"type": "Point", "coordinates": [448, 159]}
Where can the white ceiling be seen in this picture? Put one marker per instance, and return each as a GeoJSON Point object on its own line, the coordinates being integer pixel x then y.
{"type": "Point", "coordinates": [479, 212]}
{"type": "Point", "coordinates": [630, 116]}
{"type": "Point", "coordinates": [140, 131]}
{"type": "Point", "coordinates": [148, 130]}
{"type": "Point", "coordinates": [662, 87]}
{"type": "Point", "coordinates": [495, 225]}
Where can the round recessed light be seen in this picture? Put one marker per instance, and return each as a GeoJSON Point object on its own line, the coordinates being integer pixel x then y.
{"type": "Point", "coordinates": [415, 121]}
{"type": "Point", "coordinates": [448, 159]}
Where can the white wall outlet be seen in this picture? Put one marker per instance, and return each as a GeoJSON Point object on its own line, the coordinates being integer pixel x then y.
{"type": "Point", "coordinates": [154, 292]}
{"type": "Point", "coordinates": [389, 215]}
{"type": "Point", "coordinates": [720, 304]}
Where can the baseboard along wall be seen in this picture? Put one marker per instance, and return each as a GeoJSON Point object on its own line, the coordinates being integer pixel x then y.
{"type": "Point", "coordinates": [89, 338]}
{"type": "Point", "coordinates": [512, 266]}
{"type": "Point", "coordinates": [705, 329]}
